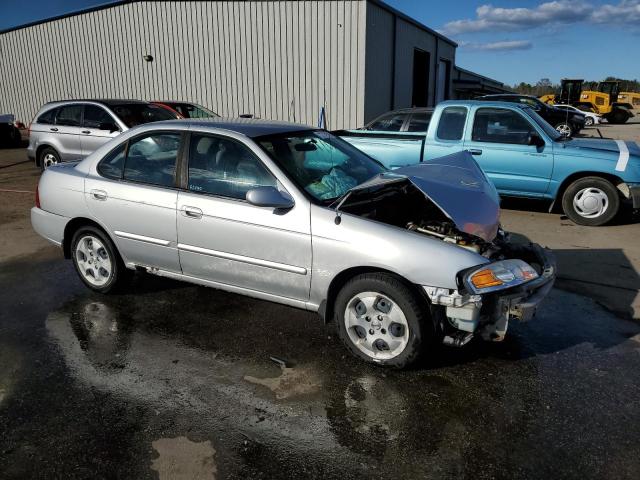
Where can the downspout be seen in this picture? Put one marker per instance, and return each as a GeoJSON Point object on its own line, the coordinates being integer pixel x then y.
{"type": "Point", "coordinates": [393, 65]}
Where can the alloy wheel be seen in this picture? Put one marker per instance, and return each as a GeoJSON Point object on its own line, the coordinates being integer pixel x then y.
{"type": "Point", "coordinates": [93, 261]}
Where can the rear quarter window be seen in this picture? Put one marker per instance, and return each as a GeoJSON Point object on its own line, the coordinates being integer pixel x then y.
{"type": "Point", "coordinates": [48, 117]}
{"type": "Point", "coordinates": [451, 124]}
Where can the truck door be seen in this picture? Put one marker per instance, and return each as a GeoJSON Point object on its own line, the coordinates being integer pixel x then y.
{"type": "Point", "coordinates": [499, 141]}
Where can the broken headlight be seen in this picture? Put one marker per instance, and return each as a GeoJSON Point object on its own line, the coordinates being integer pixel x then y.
{"type": "Point", "coordinates": [498, 276]}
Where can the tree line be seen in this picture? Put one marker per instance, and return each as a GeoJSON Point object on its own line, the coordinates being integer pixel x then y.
{"type": "Point", "coordinates": [545, 86]}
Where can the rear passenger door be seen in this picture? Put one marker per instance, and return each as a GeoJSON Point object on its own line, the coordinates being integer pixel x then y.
{"type": "Point", "coordinates": [67, 132]}
{"type": "Point", "coordinates": [225, 239]}
{"type": "Point", "coordinates": [499, 143]}
{"type": "Point", "coordinates": [133, 194]}
{"type": "Point", "coordinates": [98, 127]}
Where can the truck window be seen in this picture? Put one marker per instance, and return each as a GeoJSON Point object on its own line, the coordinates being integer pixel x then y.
{"type": "Point", "coordinates": [451, 123]}
{"type": "Point", "coordinates": [497, 125]}
{"type": "Point", "coordinates": [419, 122]}
{"type": "Point", "coordinates": [388, 123]}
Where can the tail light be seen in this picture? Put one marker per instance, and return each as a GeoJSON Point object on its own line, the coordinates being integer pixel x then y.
{"type": "Point", "coordinates": [37, 197]}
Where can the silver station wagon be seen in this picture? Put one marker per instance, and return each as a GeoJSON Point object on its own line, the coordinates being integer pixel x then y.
{"type": "Point", "coordinates": [397, 259]}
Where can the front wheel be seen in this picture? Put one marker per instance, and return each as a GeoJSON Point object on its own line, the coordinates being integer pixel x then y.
{"type": "Point", "coordinates": [564, 129]}
{"type": "Point", "coordinates": [588, 121]}
{"type": "Point", "coordinates": [382, 320]}
{"type": "Point", "coordinates": [96, 260]}
{"type": "Point", "coordinates": [591, 201]}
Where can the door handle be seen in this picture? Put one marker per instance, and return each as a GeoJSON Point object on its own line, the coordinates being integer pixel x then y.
{"type": "Point", "coordinates": [475, 151]}
{"type": "Point", "coordinates": [86, 131]}
{"type": "Point", "coordinates": [192, 212]}
{"type": "Point", "coordinates": [53, 129]}
{"type": "Point", "coordinates": [99, 194]}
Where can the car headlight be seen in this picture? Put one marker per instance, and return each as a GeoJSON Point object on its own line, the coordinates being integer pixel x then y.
{"type": "Point", "coordinates": [498, 276]}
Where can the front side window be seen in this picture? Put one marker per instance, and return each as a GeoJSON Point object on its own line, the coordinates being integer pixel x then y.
{"type": "Point", "coordinates": [70, 115]}
{"type": "Point", "coordinates": [133, 114]}
{"type": "Point", "coordinates": [451, 125]}
{"type": "Point", "coordinates": [225, 167]}
{"type": "Point", "coordinates": [497, 125]}
{"type": "Point", "coordinates": [388, 123]}
{"type": "Point", "coordinates": [152, 159]}
{"type": "Point", "coordinates": [95, 116]}
{"type": "Point", "coordinates": [323, 165]}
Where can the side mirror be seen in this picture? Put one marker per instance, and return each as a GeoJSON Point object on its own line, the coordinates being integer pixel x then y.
{"type": "Point", "coordinates": [535, 140]}
{"type": "Point", "coordinates": [112, 127]}
{"type": "Point", "coordinates": [269, 197]}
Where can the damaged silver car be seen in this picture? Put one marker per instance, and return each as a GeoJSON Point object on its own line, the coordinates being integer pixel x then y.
{"type": "Point", "coordinates": [397, 259]}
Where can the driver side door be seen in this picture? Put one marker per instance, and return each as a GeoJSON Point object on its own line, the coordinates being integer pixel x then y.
{"type": "Point", "coordinates": [499, 142]}
{"type": "Point", "coordinates": [224, 239]}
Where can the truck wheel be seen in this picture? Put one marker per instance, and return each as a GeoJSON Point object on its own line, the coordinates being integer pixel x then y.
{"type": "Point", "coordinates": [564, 129]}
{"type": "Point", "coordinates": [96, 260]}
{"type": "Point", "coordinates": [48, 157]}
{"type": "Point", "coordinates": [591, 201]}
{"type": "Point", "coordinates": [382, 321]}
{"type": "Point", "coordinates": [618, 116]}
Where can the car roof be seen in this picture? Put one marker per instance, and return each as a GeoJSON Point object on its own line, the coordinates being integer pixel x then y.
{"type": "Point", "coordinates": [109, 102]}
{"type": "Point", "coordinates": [251, 127]}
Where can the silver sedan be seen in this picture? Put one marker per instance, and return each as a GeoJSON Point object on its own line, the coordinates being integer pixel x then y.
{"type": "Point", "coordinates": [397, 259]}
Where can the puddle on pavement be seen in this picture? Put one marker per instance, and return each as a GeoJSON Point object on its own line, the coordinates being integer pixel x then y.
{"type": "Point", "coordinates": [291, 383]}
{"type": "Point", "coordinates": [181, 459]}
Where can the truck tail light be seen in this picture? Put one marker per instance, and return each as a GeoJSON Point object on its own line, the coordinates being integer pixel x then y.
{"type": "Point", "coordinates": [37, 197]}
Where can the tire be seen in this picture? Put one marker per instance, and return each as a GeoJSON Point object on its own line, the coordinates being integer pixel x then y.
{"type": "Point", "coordinates": [588, 121]}
{"type": "Point", "coordinates": [618, 116]}
{"type": "Point", "coordinates": [397, 318]}
{"type": "Point", "coordinates": [96, 260]}
{"type": "Point", "coordinates": [564, 129]}
{"type": "Point", "coordinates": [591, 201]}
{"type": "Point", "coordinates": [48, 157]}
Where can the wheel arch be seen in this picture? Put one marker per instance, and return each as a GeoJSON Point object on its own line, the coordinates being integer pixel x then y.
{"type": "Point", "coordinates": [557, 199]}
{"type": "Point", "coordinates": [326, 309]}
{"type": "Point", "coordinates": [39, 150]}
{"type": "Point", "coordinates": [73, 225]}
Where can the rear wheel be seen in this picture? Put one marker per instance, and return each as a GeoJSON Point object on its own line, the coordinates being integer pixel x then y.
{"type": "Point", "coordinates": [618, 116]}
{"type": "Point", "coordinates": [591, 201]}
{"type": "Point", "coordinates": [381, 320]}
{"type": "Point", "coordinates": [96, 260]}
{"type": "Point", "coordinates": [48, 157]}
{"type": "Point", "coordinates": [564, 129]}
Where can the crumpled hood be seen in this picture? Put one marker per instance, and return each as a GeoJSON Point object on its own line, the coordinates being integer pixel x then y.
{"type": "Point", "coordinates": [458, 187]}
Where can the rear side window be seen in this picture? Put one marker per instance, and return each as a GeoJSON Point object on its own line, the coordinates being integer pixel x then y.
{"type": "Point", "coordinates": [497, 125]}
{"type": "Point", "coordinates": [48, 117]}
{"type": "Point", "coordinates": [112, 165]}
{"type": "Point", "coordinates": [152, 159]}
{"type": "Point", "coordinates": [94, 116]}
{"type": "Point", "coordinates": [451, 125]}
{"type": "Point", "coordinates": [224, 167]}
{"type": "Point", "coordinates": [388, 123]}
{"type": "Point", "coordinates": [137, 113]}
{"type": "Point", "coordinates": [419, 122]}
{"type": "Point", "coordinates": [70, 116]}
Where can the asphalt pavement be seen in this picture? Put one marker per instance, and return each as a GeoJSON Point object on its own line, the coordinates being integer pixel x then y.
{"type": "Point", "coordinates": [172, 380]}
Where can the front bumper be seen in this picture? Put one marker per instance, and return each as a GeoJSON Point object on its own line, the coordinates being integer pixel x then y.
{"type": "Point", "coordinates": [488, 315]}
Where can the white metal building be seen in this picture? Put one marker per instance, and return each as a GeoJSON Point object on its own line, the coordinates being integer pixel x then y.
{"type": "Point", "coordinates": [274, 59]}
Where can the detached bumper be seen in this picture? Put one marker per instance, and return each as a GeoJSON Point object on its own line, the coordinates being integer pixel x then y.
{"type": "Point", "coordinates": [488, 315]}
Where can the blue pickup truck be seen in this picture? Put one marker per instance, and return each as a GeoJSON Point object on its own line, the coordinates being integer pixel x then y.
{"type": "Point", "coordinates": [521, 153]}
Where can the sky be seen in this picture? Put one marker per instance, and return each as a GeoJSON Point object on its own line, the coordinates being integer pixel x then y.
{"type": "Point", "coordinates": [512, 41]}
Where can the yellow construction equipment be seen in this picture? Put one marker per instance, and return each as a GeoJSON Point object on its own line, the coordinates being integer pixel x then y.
{"type": "Point", "coordinates": [632, 98]}
{"type": "Point", "coordinates": [604, 101]}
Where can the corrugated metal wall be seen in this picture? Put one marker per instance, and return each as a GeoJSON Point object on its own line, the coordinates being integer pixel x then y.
{"type": "Point", "coordinates": [275, 59]}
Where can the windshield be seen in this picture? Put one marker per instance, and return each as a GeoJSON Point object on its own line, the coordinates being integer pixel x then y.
{"type": "Point", "coordinates": [325, 166]}
{"type": "Point", "coordinates": [542, 123]}
{"type": "Point", "coordinates": [133, 114]}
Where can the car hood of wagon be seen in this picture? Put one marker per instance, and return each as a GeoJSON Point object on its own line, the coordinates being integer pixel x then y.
{"type": "Point", "coordinates": [456, 185]}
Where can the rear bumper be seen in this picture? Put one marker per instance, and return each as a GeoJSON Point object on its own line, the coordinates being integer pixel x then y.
{"type": "Point", "coordinates": [49, 225]}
